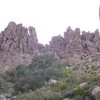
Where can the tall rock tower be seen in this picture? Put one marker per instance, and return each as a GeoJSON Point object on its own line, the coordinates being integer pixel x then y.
{"type": "Point", "coordinates": [17, 44]}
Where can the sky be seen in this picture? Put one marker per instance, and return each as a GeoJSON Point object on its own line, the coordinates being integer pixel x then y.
{"type": "Point", "coordinates": [51, 17]}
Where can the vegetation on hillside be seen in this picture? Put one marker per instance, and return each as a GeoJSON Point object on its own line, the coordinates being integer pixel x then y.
{"type": "Point", "coordinates": [32, 82]}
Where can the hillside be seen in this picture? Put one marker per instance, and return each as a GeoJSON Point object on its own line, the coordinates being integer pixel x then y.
{"type": "Point", "coordinates": [68, 67]}
{"type": "Point", "coordinates": [48, 78]}
{"type": "Point", "coordinates": [18, 44]}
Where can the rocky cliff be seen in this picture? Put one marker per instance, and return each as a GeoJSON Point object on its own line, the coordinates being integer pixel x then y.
{"type": "Point", "coordinates": [17, 44]}
{"type": "Point", "coordinates": [18, 39]}
{"type": "Point", "coordinates": [75, 43]}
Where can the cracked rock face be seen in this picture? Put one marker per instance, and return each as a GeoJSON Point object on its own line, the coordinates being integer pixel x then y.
{"type": "Point", "coordinates": [75, 43]}
{"type": "Point", "coordinates": [18, 39]}
{"type": "Point", "coordinates": [17, 43]}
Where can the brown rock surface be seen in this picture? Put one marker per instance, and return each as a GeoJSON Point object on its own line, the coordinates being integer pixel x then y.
{"type": "Point", "coordinates": [84, 85]}
{"type": "Point", "coordinates": [75, 43]}
{"type": "Point", "coordinates": [17, 43]}
{"type": "Point", "coordinates": [96, 93]}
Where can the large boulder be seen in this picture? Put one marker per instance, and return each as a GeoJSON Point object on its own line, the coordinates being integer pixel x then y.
{"type": "Point", "coordinates": [96, 93]}
{"type": "Point", "coordinates": [2, 97]}
{"type": "Point", "coordinates": [84, 85]}
{"type": "Point", "coordinates": [52, 81]}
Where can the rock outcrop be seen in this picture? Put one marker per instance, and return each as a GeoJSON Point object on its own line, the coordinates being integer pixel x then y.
{"type": "Point", "coordinates": [18, 39]}
{"type": "Point", "coordinates": [75, 44]}
{"type": "Point", "coordinates": [17, 43]}
{"type": "Point", "coordinates": [96, 93]}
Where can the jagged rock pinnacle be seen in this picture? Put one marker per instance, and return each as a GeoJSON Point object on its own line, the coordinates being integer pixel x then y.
{"type": "Point", "coordinates": [16, 46]}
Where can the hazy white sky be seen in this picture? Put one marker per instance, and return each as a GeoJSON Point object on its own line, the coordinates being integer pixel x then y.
{"type": "Point", "coordinates": [51, 17]}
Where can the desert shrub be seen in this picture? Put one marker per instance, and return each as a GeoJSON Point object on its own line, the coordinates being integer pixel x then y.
{"type": "Point", "coordinates": [61, 86]}
{"type": "Point", "coordinates": [83, 92]}
{"type": "Point", "coordinates": [42, 61]}
{"type": "Point", "coordinates": [32, 76]}
{"type": "Point", "coordinates": [94, 68]}
{"type": "Point", "coordinates": [92, 79]}
{"type": "Point", "coordinates": [65, 72]}
{"type": "Point", "coordinates": [30, 80]}
{"type": "Point", "coordinates": [78, 97]}
{"type": "Point", "coordinates": [27, 83]}
{"type": "Point", "coordinates": [41, 94]}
